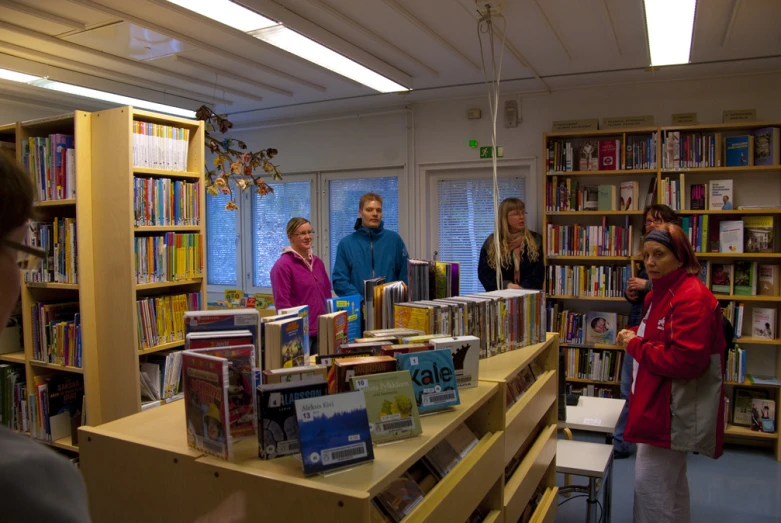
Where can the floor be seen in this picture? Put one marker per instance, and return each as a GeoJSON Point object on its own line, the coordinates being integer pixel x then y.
{"type": "Point", "coordinates": [744, 485]}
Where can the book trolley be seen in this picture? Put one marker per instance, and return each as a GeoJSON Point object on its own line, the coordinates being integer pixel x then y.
{"type": "Point", "coordinates": [121, 459]}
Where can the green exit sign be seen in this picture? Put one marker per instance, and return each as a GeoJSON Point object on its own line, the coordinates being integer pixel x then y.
{"type": "Point", "coordinates": [473, 144]}
{"type": "Point", "coordinates": [488, 152]}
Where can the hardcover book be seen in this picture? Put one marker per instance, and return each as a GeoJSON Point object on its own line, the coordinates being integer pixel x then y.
{"type": "Point", "coordinates": [302, 311]}
{"type": "Point", "coordinates": [206, 404]}
{"type": "Point", "coordinates": [433, 378]}
{"type": "Point", "coordinates": [764, 323]}
{"type": "Point", "coordinates": [721, 278]}
{"type": "Point", "coordinates": [739, 151]}
{"type": "Point", "coordinates": [758, 231]}
{"type": "Point", "coordinates": [332, 331]}
{"type": "Point", "coordinates": [413, 316]}
{"type": "Point", "coordinates": [629, 196]}
{"type": "Point", "coordinates": [356, 367]}
{"type": "Point", "coordinates": [607, 198]}
{"type": "Point", "coordinates": [697, 199]}
{"type": "Point", "coordinates": [768, 280]}
{"type": "Point", "coordinates": [731, 237]}
{"type": "Point", "coordinates": [400, 497]}
{"type": "Point", "coordinates": [608, 155]}
{"type": "Point", "coordinates": [352, 305]}
{"type": "Point", "coordinates": [763, 415]}
{"type": "Point", "coordinates": [591, 198]}
{"type": "Point", "coordinates": [745, 278]}
{"type": "Point", "coordinates": [589, 155]}
{"type": "Point", "coordinates": [278, 430]}
{"type": "Point", "coordinates": [720, 196]}
{"type": "Point", "coordinates": [466, 358]}
{"type": "Point", "coordinates": [390, 405]}
{"type": "Point", "coordinates": [766, 146]}
{"type": "Point", "coordinates": [333, 431]}
{"type": "Point", "coordinates": [285, 344]}
{"type": "Point", "coordinates": [601, 328]}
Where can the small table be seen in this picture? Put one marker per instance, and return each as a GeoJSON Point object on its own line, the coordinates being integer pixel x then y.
{"type": "Point", "coordinates": [594, 414]}
{"type": "Point", "coordinates": [594, 461]}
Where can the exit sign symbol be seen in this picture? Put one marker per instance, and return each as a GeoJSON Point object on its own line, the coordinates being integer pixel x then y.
{"type": "Point", "coordinates": [486, 152]}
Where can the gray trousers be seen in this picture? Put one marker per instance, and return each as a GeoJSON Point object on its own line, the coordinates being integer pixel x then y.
{"type": "Point", "coordinates": [661, 486]}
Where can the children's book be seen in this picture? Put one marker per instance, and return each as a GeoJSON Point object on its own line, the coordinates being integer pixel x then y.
{"type": "Point", "coordinates": [351, 304]}
{"type": "Point", "coordinates": [769, 280]}
{"type": "Point", "coordinates": [764, 323]}
{"type": "Point", "coordinates": [204, 340]}
{"type": "Point", "coordinates": [390, 404]}
{"type": "Point", "coordinates": [303, 312]}
{"type": "Point", "coordinates": [356, 367]}
{"type": "Point", "coordinates": [731, 237]}
{"type": "Point", "coordinates": [294, 374]}
{"type": "Point", "coordinates": [721, 278]}
{"type": "Point", "coordinates": [332, 332]}
{"type": "Point", "coordinates": [763, 415]}
{"type": "Point", "coordinates": [226, 320]}
{"type": "Point", "coordinates": [285, 344]}
{"type": "Point", "coordinates": [720, 196]}
{"type": "Point", "coordinates": [277, 427]}
{"type": "Point", "coordinates": [433, 378]}
{"type": "Point", "coordinates": [206, 404]}
{"type": "Point", "coordinates": [400, 497]}
{"type": "Point", "coordinates": [758, 231]}
{"type": "Point", "coordinates": [333, 431]}
{"type": "Point", "coordinates": [601, 327]}
{"type": "Point", "coordinates": [466, 358]}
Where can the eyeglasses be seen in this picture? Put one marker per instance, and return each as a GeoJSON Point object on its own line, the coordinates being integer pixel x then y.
{"type": "Point", "coordinates": [304, 234]}
{"type": "Point", "coordinates": [517, 213]}
{"type": "Point", "coordinates": [654, 221]}
{"type": "Point", "coordinates": [27, 258]}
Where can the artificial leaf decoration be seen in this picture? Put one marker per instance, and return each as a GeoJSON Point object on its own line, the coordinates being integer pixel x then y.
{"type": "Point", "coordinates": [233, 162]}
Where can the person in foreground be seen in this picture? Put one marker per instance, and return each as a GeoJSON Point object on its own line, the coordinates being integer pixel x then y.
{"type": "Point", "coordinates": [521, 264]}
{"type": "Point", "coordinates": [637, 288]}
{"type": "Point", "coordinates": [36, 483]}
{"type": "Point", "coordinates": [676, 403]}
{"type": "Point", "coordinates": [298, 277]}
{"type": "Point", "coordinates": [370, 252]}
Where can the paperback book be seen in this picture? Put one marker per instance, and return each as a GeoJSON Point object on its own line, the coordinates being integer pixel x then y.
{"type": "Point", "coordinates": [332, 331]}
{"type": "Point", "coordinates": [206, 404]}
{"type": "Point", "coordinates": [721, 278]}
{"type": "Point", "coordinates": [351, 304]}
{"type": "Point", "coordinates": [278, 430]}
{"type": "Point", "coordinates": [764, 323]}
{"type": "Point", "coordinates": [746, 278]}
{"type": "Point", "coordinates": [205, 340]}
{"type": "Point", "coordinates": [731, 237]}
{"type": "Point", "coordinates": [769, 280]}
{"type": "Point", "coordinates": [766, 146]}
{"type": "Point", "coordinates": [742, 399]}
{"type": "Point", "coordinates": [466, 358]}
{"type": "Point", "coordinates": [390, 405]}
{"type": "Point", "coordinates": [442, 458]}
{"type": "Point", "coordinates": [763, 415]}
{"type": "Point", "coordinates": [720, 196]}
{"type": "Point", "coordinates": [758, 232]}
{"type": "Point", "coordinates": [226, 320]}
{"type": "Point", "coordinates": [333, 431]}
{"type": "Point", "coordinates": [433, 378]}
{"type": "Point", "coordinates": [739, 151]}
{"type": "Point", "coordinates": [302, 311]}
{"type": "Point", "coordinates": [286, 342]}
{"type": "Point", "coordinates": [294, 374]}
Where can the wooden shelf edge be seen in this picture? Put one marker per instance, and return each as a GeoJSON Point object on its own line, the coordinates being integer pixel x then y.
{"type": "Point", "coordinates": [749, 384]}
{"type": "Point", "coordinates": [165, 284]}
{"type": "Point", "coordinates": [64, 368]}
{"type": "Point", "coordinates": [565, 257]}
{"type": "Point", "coordinates": [55, 203]}
{"type": "Point", "coordinates": [591, 298]}
{"type": "Point", "coordinates": [192, 175]}
{"type": "Point", "coordinates": [735, 212]}
{"type": "Point", "coordinates": [749, 340]}
{"type": "Point", "coordinates": [737, 297]}
{"type": "Point", "coordinates": [594, 382]}
{"type": "Point", "coordinates": [167, 228]}
{"type": "Point", "coordinates": [504, 366]}
{"type": "Point", "coordinates": [65, 443]}
{"type": "Point", "coordinates": [739, 255]}
{"type": "Point", "coordinates": [745, 432]}
{"type": "Point", "coordinates": [722, 168]}
{"type": "Point", "coordinates": [13, 357]}
{"type": "Point", "coordinates": [164, 346]}
{"type": "Point", "coordinates": [519, 406]}
{"type": "Point", "coordinates": [619, 172]}
{"type": "Point", "coordinates": [495, 516]}
{"type": "Point", "coordinates": [594, 213]}
{"type": "Point", "coordinates": [593, 346]}
{"type": "Point", "coordinates": [546, 511]}
{"type": "Point", "coordinates": [61, 286]}
{"type": "Point", "coordinates": [520, 487]}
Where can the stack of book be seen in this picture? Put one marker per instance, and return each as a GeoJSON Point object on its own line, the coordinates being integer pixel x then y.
{"type": "Point", "coordinates": [585, 328]}
{"type": "Point", "coordinates": [429, 280]}
{"type": "Point", "coordinates": [58, 239]}
{"type": "Point", "coordinates": [158, 146]}
{"type": "Point", "coordinates": [379, 304]}
{"type": "Point", "coordinates": [169, 257]}
{"type": "Point", "coordinates": [162, 201]}
{"type": "Point", "coordinates": [51, 162]}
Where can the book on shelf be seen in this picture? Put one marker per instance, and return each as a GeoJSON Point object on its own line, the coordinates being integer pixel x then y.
{"type": "Point", "coordinates": [429, 280]}
{"type": "Point", "coordinates": [629, 196]}
{"type": "Point", "coordinates": [704, 274]}
{"type": "Point", "coordinates": [594, 364]}
{"type": "Point", "coordinates": [166, 202]}
{"type": "Point", "coordinates": [413, 316]}
{"type": "Point", "coordinates": [740, 310]}
{"type": "Point", "coordinates": [686, 150]}
{"type": "Point", "coordinates": [466, 358]}
{"type": "Point", "coordinates": [739, 151]}
{"type": "Point", "coordinates": [720, 195]}
{"type": "Point", "coordinates": [368, 307]}
{"type": "Point", "coordinates": [206, 404]}
{"type": "Point", "coordinates": [758, 379]}
{"type": "Point", "coordinates": [589, 390]}
{"type": "Point", "coordinates": [769, 280]}
{"type": "Point", "coordinates": [736, 365]}
{"type": "Point", "coordinates": [672, 191]}
{"type": "Point", "coordinates": [161, 320]}
{"type": "Point", "coordinates": [601, 327]}
{"type": "Point", "coordinates": [764, 323]}
{"type": "Point", "coordinates": [731, 236]}
{"type": "Point", "coordinates": [758, 232]}
{"type": "Point", "coordinates": [54, 401]}
{"type": "Point", "coordinates": [590, 240]}
{"type": "Point", "coordinates": [588, 155]}
{"type": "Point", "coordinates": [302, 311]}
{"type": "Point", "coordinates": [763, 415]}
{"type": "Point", "coordinates": [351, 304]}
{"type": "Point", "coordinates": [357, 367]}
{"type": "Point", "coordinates": [56, 333]}
{"type": "Point", "coordinates": [333, 431]}
{"type": "Point", "coordinates": [168, 257]}
{"type": "Point", "coordinates": [609, 154]}
{"type": "Point", "coordinates": [650, 197]}
{"type": "Point", "coordinates": [697, 199]}
{"type": "Point", "coordinates": [277, 426]}
{"type": "Point", "coordinates": [390, 405]}
{"type": "Point", "coordinates": [58, 238]}
{"type": "Point", "coordinates": [51, 162]}
{"type": "Point", "coordinates": [767, 150]}
{"type": "Point", "coordinates": [386, 295]}
{"type": "Point", "coordinates": [160, 146]}
{"type": "Point", "coordinates": [294, 374]}
{"type": "Point", "coordinates": [442, 458]}
{"type": "Point", "coordinates": [582, 280]}
{"type": "Point", "coordinates": [519, 384]}
{"type": "Point", "coordinates": [400, 497]}
{"type": "Point", "coordinates": [741, 404]}
{"type": "Point", "coordinates": [331, 332]}
{"type": "Point", "coordinates": [722, 276]}
{"type": "Point", "coordinates": [284, 345]}
{"type": "Point", "coordinates": [404, 348]}
{"type": "Point", "coordinates": [205, 340]}
{"type": "Point", "coordinates": [606, 199]}
{"type": "Point", "coordinates": [168, 372]}
{"type": "Point", "coordinates": [13, 397]}
{"type": "Point", "coordinates": [746, 278]}
{"type": "Point", "coordinates": [433, 378]}
{"type": "Point", "coordinates": [640, 152]}
{"type": "Point", "coordinates": [462, 440]}
{"type": "Point", "coordinates": [374, 346]}
{"type": "Point", "coordinates": [697, 229]}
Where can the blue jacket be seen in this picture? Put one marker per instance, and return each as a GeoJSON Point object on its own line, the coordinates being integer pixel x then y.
{"type": "Point", "coordinates": [365, 254]}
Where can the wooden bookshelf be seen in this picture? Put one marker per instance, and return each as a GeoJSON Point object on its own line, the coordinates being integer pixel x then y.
{"type": "Point", "coordinates": [591, 298]}
{"type": "Point", "coordinates": [55, 203]}
{"type": "Point", "coordinates": [746, 432]}
{"type": "Point", "coordinates": [164, 346]}
{"type": "Point", "coordinates": [594, 382]}
{"type": "Point", "coordinates": [168, 284]}
{"type": "Point", "coordinates": [13, 357]}
{"type": "Point", "coordinates": [594, 346]}
{"type": "Point", "coordinates": [595, 213]}
{"type": "Point", "coordinates": [162, 173]}
{"type": "Point", "coordinates": [620, 172]}
{"type": "Point", "coordinates": [60, 286]}
{"type": "Point", "coordinates": [167, 228]}
{"type": "Point", "coordinates": [750, 384]}
{"type": "Point", "coordinates": [556, 258]}
{"type": "Point", "coordinates": [688, 212]}
{"type": "Point", "coordinates": [737, 297]}
{"type": "Point", "coordinates": [54, 366]}
{"type": "Point", "coordinates": [751, 340]}
{"type": "Point", "coordinates": [723, 169]}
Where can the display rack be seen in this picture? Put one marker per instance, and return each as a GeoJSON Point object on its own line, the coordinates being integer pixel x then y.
{"type": "Point", "coordinates": [152, 444]}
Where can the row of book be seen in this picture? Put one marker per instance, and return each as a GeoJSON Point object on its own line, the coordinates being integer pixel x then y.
{"type": "Point", "coordinates": [590, 240]}
{"type": "Point", "coordinates": [590, 328]}
{"type": "Point", "coordinates": [52, 164]}
{"type": "Point", "coordinates": [743, 278]}
{"type": "Point", "coordinates": [590, 390]}
{"type": "Point", "coordinates": [735, 370]}
{"type": "Point", "coordinates": [162, 201]}
{"type": "Point", "coordinates": [582, 280]}
{"type": "Point", "coordinates": [568, 195]}
{"type": "Point", "coordinates": [58, 239]}
{"type": "Point", "coordinates": [594, 364]}
{"type": "Point", "coordinates": [380, 298]}
{"type": "Point", "coordinates": [687, 150]}
{"type": "Point", "coordinates": [429, 280]}
{"type": "Point", "coordinates": [13, 397]}
{"type": "Point", "coordinates": [56, 329]}
{"type": "Point", "coordinates": [591, 154]}
{"type": "Point", "coordinates": [753, 408]}
{"type": "Point", "coordinates": [763, 321]}
{"type": "Point", "coordinates": [161, 376]}
{"type": "Point", "coordinates": [158, 146]}
{"type": "Point", "coordinates": [160, 320]}
{"type": "Point", "coordinates": [53, 402]}
{"type": "Point", "coordinates": [168, 257]}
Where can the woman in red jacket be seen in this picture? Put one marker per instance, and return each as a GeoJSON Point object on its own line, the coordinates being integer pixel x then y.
{"type": "Point", "coordinates": [677, 405]}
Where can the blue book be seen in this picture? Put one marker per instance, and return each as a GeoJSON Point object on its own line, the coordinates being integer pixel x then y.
{"type": "Point", "coordinates": [333, 431]}
{"type": "Point", "coordinates": [351, 304]}
{"type": "Point", "coordinates": [739, 151]}
{"type": "Point", "coordinates": [433, 378]}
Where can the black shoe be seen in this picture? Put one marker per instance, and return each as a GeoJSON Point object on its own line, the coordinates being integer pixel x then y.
{"type": "Point", "coordinates": [621, 454]}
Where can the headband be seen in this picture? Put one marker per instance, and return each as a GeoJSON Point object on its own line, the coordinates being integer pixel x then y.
{"type": "Point", "coordinates": [662, 237]}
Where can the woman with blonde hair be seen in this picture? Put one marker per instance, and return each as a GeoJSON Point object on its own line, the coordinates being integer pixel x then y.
{"type": "Point", "coordinates": [520, 263]}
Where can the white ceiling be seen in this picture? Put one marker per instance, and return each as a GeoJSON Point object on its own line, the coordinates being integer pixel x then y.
{"type": "Point", "coordinates": [155, 50]}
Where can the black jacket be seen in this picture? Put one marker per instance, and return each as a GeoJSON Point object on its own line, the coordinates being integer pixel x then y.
{"type": "Point", "coordinates": [636, 314]}
{"type": "Point", "coordinates": [532, 273]}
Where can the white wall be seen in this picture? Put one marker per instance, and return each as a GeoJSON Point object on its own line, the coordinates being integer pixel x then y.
{"type": "Point", "coordinates": [13, 111]}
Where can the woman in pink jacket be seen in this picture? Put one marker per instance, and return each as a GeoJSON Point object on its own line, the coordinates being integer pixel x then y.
{"type": "Point", "coordinates": [299, 278]}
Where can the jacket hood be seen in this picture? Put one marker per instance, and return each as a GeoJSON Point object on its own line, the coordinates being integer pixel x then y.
{"type": "Point", "coordinates": [366, 230]}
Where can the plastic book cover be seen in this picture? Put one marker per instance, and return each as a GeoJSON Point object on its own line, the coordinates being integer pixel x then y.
{"type": "Point", "coordinates": [442, 458]}
{"type": "Point", "coordinates": [763, 415]}
{"type": "Point", "coordinates": [285, 346]}
{"type": "Point", "coordinates": [351, 304]}
{"type": "Point", "coordinates": [410, 316]}
{"type": "Point", "coordinates": [400, 497]}
{"type": "Point", "coordinates": [349, 368]}
{"type": "Point", "coordinates": [241, 387]}
{"type": "Point", "coordinates": [226, 320]}
{"type": "Point", "coordinates": [277, 427]}
{"type": "Point", "coordinates": [329, 361]}
{"type": "Point", "coordinates": [390, 404]}
{"type": "Point", "coordinates": [601, 328]}
{"type": "Point", "coordinates": [466, 358]}
{"type": "Point", "coordinates": [206, 404]}
{"type": "Point", "coordinates": [462, 439]}
{"type": "Point", "coordinates": [204, 340]}
{"type": "Point", "coordinates": [333, 431]}
{"type": "Point", "coordinates": [433, 378]}
{"type": "Point", "coordinates": [303, 312]}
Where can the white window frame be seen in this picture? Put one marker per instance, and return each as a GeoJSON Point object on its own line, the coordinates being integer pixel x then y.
{"type": "Point", "coordinates": [324, 219]}
{"type": "Point", "coordinates": [431, 174]}
{"type": "Point", "coordinates": [217, 292]}
{"type": "Point", "coordinates": [246, 245]}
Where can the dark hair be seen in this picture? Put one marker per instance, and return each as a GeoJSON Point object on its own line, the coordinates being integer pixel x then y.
{"type": "Point", "coordinates": [16, 195]}
{"type": "Point", "coordinates": [660, 212]}
{"type": "Point", "coordinates": [681, 247]}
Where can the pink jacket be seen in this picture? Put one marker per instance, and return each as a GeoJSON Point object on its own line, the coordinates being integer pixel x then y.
{"type": "Point", "coordinates": [294, 284]}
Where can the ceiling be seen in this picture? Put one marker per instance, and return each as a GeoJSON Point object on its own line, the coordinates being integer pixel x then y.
{"type": "Point", "coordinates": [155, 50]}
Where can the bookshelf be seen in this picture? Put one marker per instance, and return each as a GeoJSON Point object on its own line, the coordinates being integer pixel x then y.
{"type": "Point", "coordinates": [754, 185]}
{"type": "Point", "coordinates": [153, 444]}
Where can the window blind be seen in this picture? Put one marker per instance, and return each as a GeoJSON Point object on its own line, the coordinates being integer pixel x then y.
{"type": "Point", "coordinates": [220, 241]}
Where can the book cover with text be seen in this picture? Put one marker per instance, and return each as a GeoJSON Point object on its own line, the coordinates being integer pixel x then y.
{"type": "Point", "coordinates": [390, 404]}
{"type": "Point", "coordinates": [433, 378]}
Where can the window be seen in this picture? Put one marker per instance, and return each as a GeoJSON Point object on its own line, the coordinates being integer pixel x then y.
{"type": "Point", "coordinates": [270, 215]}
{"type": "Point", "coordinates": [466, 219]}
{"type": "Point", "coordinates": [344, 195]}
{"type": "Point", "coordinates": [221, 241]}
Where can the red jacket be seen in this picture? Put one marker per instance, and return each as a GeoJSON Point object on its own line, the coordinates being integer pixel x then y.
{"type": "Point", "coordinates": [677, 390]}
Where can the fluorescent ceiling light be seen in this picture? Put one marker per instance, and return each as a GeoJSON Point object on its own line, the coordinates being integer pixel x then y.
{"type": "Point", "coordinates": [86, 92]}
{"type": "Point", "coordinates": [670, 24]}
{"type": "Point", "coordinates": [262, 28]}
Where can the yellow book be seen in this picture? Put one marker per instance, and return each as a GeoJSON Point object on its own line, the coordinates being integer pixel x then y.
{"type": "Point", "coordinates": [407, 316]}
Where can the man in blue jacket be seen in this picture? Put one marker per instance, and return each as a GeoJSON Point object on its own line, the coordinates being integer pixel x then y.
{"type": "Point", "coordinates": [371, 251]}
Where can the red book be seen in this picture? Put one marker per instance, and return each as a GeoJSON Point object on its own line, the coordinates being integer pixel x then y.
{"type": "Point", "coordinates": [607, 155]}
